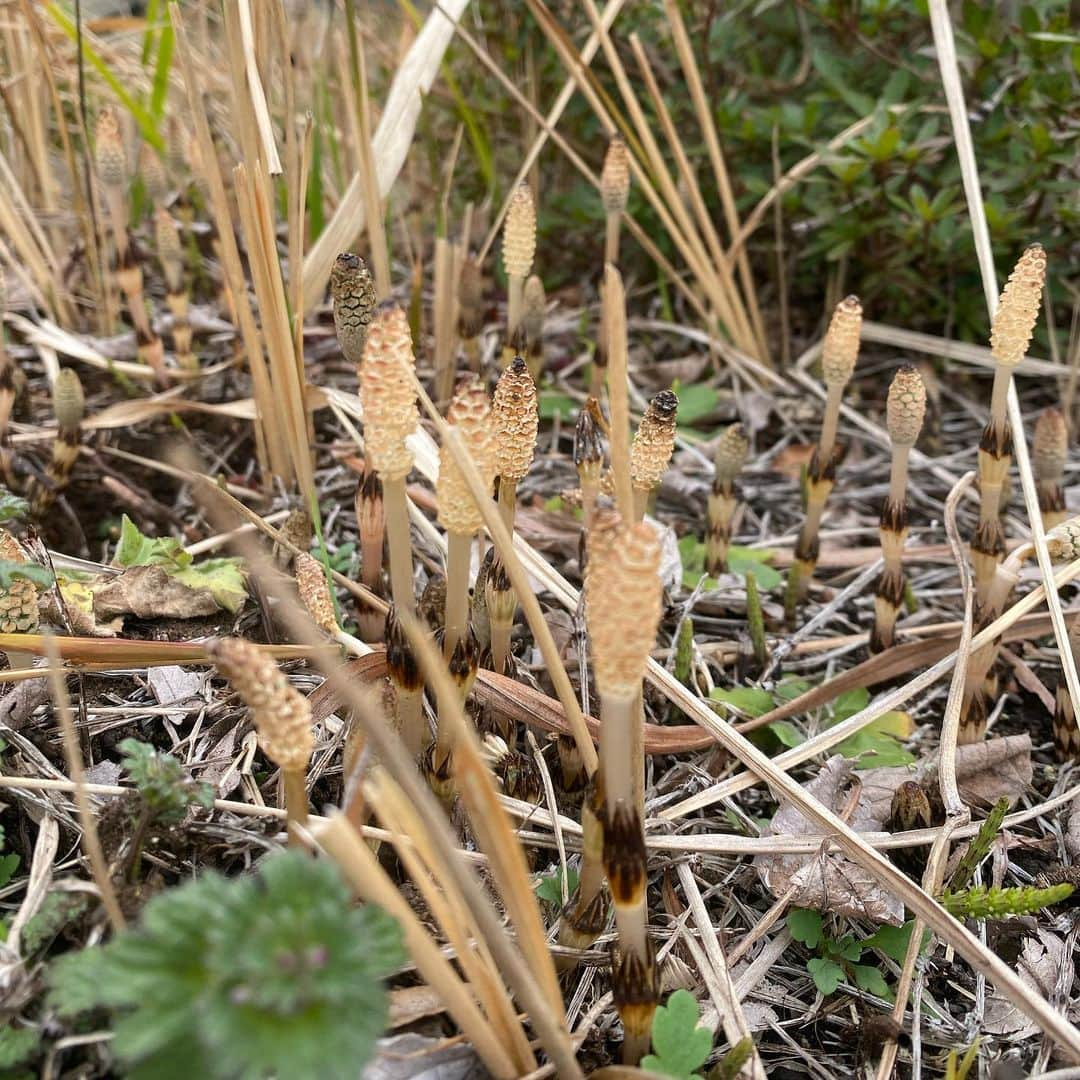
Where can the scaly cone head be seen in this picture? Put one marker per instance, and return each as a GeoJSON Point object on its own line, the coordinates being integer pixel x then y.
{"type": "Point", "coordinates": [1018, 307]}
{"type": "Point", "coordinates": [110, 156]}
{"type": "Point", "coordinates": [515, 418]}
{"type": "Point", "coordinates": [353, 293]}
{"type": "Point", "coordinates": [1050, 446]}
{"type": "Point", "coordinates": [732, 449]}
{"type": "Point", "coordinates": [69, 405]}
{"type": "Point", "coordinates": [152, 172]}
{"type": "Point", "coordinates": [169, 248]}
{"type": "Point", "coordinates": [910, 808]}
{"type": "Point", "coordinates": [1063, 541]}
{"type": "Point", "coordinates": [840, 349]}
{"type": "Point", "coordinates": [622, 603]}
{"type": "Point", "coordinates": [281, 715]}
{"type": "Point", "coordinates": [470, 298]}
{"type": "Point", "coordinates": [19, 601]}
{"type": "Point", "coordinates": [387, 394]}
{"type": "Point", "coordinates": [588, 444]}
{"type": "Point", "coordinates": [615, 177]}
{"type": "Point", "coordinates": [470, 415]}
{"type": "Point", "coordinates": [315, 593]}
{"type": "Point", "coordinates": [654, 442]}
{"type": "Point", "coordinates": [906, 406]}
{"type": "Point", "coordinates": [519, 234]}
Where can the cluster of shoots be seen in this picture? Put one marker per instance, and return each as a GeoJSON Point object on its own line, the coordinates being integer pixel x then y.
{"type": "Point", "coordinates": [731, 450]}
{"type": "Point", "coordinates": [1013, 325]}
{"type": "Point", "coordinates": [1049, 452]}
{"type": "Point", "coordinates": [110, 156]}
{"type": "Point", "coordinates": [280, 713]}
{"type": "Point", "coordinates": [839, 353]}
{"type": "Point", "coordinates": [905, 410]}
{"type": "Point", "coordinates": [69, 407]}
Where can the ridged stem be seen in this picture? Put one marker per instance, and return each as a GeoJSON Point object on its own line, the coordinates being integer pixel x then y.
{"type": "Point", "coordinates": [411, 724]}
{"type": "Point", "coordinates": [296, 801]}
{"type": "Point", "coordinates": [458, 550]}
{"type": "Point", "coordinates": [617, 718]}
{"type": "Point", "coordinates": [507, 502]}
{"type": "Point", "coordinates": [513, 307]}
{"type": "Point", "coordinates": [612, 229]}
{"type": "Point", "coordinates": [400, 543]}
{"type": "Point", "coordinates": [830, 422]}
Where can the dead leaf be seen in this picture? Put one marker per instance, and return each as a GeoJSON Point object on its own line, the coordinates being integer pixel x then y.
{"type": "Point", "coordinates": [1043, 961]}
{"type": "Point", "coordinates": [172, 684]}
{"type": "Point", "coordinates": [412, 1003]}
{"type": "Point", "coordinates": [827, 881]}
{"type": "Point", "coordinates": [415, 1057]}
{"type": "Point", "coordinates": [790, 460]}
{"type": "Point", "coordinates": [148, 592]}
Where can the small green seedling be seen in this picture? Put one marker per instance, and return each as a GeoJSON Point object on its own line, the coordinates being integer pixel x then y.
{"type": "Point", "coordinates": [680, 1045]}
{"type": "Point", "coordinates": [166, 789]}
{"type": "Point", "coordinates": [277, 973]}
{"type": "Point", "coordinates": [549, 887]}
{"type": "Point", "coordinates": [836, 961]}
{"type": "Point", "coordinates": [981, 902]}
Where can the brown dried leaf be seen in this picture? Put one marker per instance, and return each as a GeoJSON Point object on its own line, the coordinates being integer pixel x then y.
{"type": "Point", "coordinates": [148, 592]}
{"type": "Point", "coordinates": [827, 881]}
{"type": "Point", "coordinates": [1045, 965]}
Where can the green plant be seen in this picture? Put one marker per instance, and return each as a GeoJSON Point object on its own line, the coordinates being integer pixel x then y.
{"type": "Point", "coordinates": [680, 1045]}
{"type": "Point", "coordinates": [837, 958]}
{"type": "Point", "coordinates": [979, 847]}
{"type": "Point", "coordinates": [549, 887]}
{"type": "Point", "coordinates": [8, 863]}
{"type": "Point", "coordinates": [981, 902]}
{"type": "Point", "coordinates": [273, 974]}
{"type": "Point", "coordinates": [166, 789]}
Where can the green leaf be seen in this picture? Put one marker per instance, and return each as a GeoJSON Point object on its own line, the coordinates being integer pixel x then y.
{"type": "Point", "coordinates": [8, 865]}
{"type": "Point", "coordinates": [871, 980]}
{"type": "Point", "coordinates": [805, 925]}
{"type": "Point", "coordinates": [755, 560]}
{"type": "Point", "coordinates": [553, 404]}
{"type": "Point", "coordinates": [549, 887]}
{"type": "Point", "coordinates": [893, 940]}
{"type": "Point", "coordinates": [11, 571]}
{"type": "Point", "coordinates": [849, 703]}
{"type": "Point", "coordinates": [680, 1046]}
{"type": "Point", "coordinates": [17, 1045]}
{"type": "Point", "coordinates": [827, 974]}
{"type": "Point", "coordinates": [696, 403]}
{"type": "Point", "coordinates": [165, 787]}
{"type": "Point", "coordinates": [223, 577]}
{"type": "Point", "coordinates": [135, 549]}
{"type": "Point", "coordinates": [847, 948]}
{"type": "Point", "coordinates": [787, 733]}
{"type": "Point", "coordinates": [749, 700]}
{"type": "Point", "coordinates": [12, 508]}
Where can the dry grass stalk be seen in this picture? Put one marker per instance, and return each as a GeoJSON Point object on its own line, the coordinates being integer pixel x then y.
{"type": "Point", "coordinates": [839, 353]}
{"type": "Point", "coordinates": [1050, 447]}
{"type": "Point", "coordinates": [518, 251]}
{"type": "Point", "coordinates": [353, 293]}
{"type": "Point", "coordinates": [69, 407]}
{"type": "Point", "coordinates": [170, 254]}
{"type": "Point", "coordinates": [906, 408]}
{"type": "Point", "coordinates": [110, 157]}
{"type": "Point", "coordinates": [618, 378]}
{"type": "Point", "coordinates": [732, 449]}
{"type": "Point", "coordinates": [281, 715]}
{"type": "Point", "coordinates": [1013, 324]}
{"type": "Point", "coordinates": [622, 609]}
{"type": "Point", "coordinates": [390, 416]}
{"type": "Point", "coordinates": [470, 295]}
{"type": "Point", "coordinates": [344, 845]}
{"type": "Point", "coordinates": [589, 456]}
{"type": "Point", "coordinates": [371, 527]}
{"type": "Point", "coordinates": [533, 310]}
{"type": "Point", "coordinates": [7, 385]}
{"type": "Point", "coordinates": [651, 450]}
